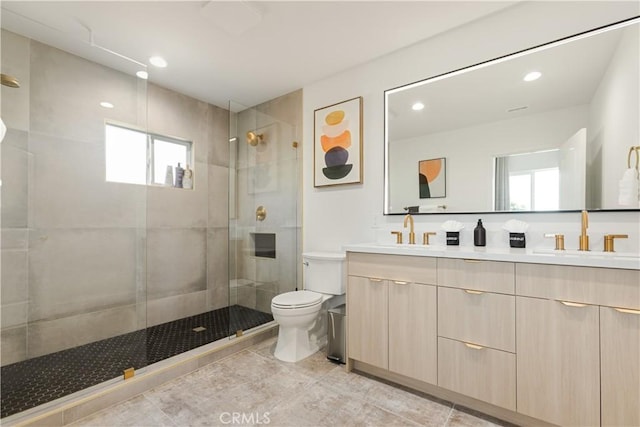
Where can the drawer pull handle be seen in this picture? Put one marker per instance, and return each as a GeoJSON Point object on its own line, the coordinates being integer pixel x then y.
{"type": "Point", "coordinates": [473, 346]}
{"type": "Point", "coordinates": [400, 282]}
{"type": "Point", "coordinates": [375, 280]}
{"type": "Point", "coordinates": [472, 292]}
{"type": "Point", "coordinates": [473, 261]}
{"type": "Point", "coordinates": [572, 304]}
{"type": "Point", "coordinates": [626, 310]}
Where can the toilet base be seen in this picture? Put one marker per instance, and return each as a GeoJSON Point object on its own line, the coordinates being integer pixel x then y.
{"type": "Point", "coordinates": [293, 345]}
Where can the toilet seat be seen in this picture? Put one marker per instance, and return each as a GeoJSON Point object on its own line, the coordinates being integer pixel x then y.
{"type": "Point", "coordinates": [296, 299]}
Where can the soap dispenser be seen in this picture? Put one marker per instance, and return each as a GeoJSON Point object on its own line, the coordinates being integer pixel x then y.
{"type": "Point", "coordinates": [479, 235]}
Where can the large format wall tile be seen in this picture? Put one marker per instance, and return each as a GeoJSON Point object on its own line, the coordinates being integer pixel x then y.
{"type": "Point", "coordinates": [69, 190]}
{"type": "Point", "coordinates": [218, 136]}
{"type": "Point", "coordinates": [66, 92]}
{"type": "Point", "coordinates": [77, 271]}
{"type": "Point", "coordinates": [217, 267]}
{"type": "Point", "coordinates": [164, 310]}
{"type": "Point", "coordinates": [176, 261]}
{"type": "Point", "coordinates": [54, 335]}
{"type": "Point", "coordinates": [179, 207]}
{"type": "Point", "coordinates": [15, 179]}
{"type": "Point", "coordinates": [218, 196]}
{"type": "Point", "coordinates": [14, 314]}
{"type": "Point", "coordinates": [15, 62]}
{"type": "Point", "coordinates": [178, 115]}
{"type": "Point", "coordinates": [286, 109]}
{"type": "Point", "coordinates": [14, 276]}
{"type": "Point", "coordinates": [13, 345]}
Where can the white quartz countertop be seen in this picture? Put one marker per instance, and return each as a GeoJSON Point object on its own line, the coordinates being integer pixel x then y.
{"type": "Point", "coordinates": [526, 255]}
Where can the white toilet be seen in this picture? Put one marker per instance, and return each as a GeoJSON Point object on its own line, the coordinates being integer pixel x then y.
{"type": "Point", "coordinates": [296, 312]}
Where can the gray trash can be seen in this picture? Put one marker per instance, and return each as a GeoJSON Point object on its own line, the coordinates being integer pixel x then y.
{"type": "Point", "coordinates": [336, 333]}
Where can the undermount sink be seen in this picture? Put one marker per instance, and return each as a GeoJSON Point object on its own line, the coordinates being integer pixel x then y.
{"type": "Point", "coordinates": [587, 254]}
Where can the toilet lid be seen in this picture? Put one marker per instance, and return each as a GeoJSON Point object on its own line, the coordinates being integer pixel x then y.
{"type": "Point", "coordinates": [296, 299]}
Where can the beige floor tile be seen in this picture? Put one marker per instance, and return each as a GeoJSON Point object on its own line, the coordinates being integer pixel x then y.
{"type": "Point", "coordinates": [422, 409]}
{"type": "Point", "coordinates": [258, 389]}
{"type": "Point", "coordinates": [323, 406]}
{"type": "Point", "coordinates": [470, 418]}
{"type": "Point", "coordinates": [315, 366]}
{"type": "Point", "coordinates": [137, 411]}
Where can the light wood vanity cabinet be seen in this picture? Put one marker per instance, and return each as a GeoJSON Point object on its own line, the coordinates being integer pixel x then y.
{"type": "Point", "coordinates": [490, 276]}
{"type": "Point", "coordinates": [393, 325]}
{"type": "Point", "coordinates": [574, 353]}
{"type": "Point", "coordinates": [560, 344]}
{"type": "Point", "coordinates": [476, 330]}
{"type": "Point", "coordinates": [367, 314]}
{"type": "Point", "coordinates": [412, 330]}
{"type": "Point", "coordinates": [477, 317]}
{"type": "Point", "coordinates": [558, 362]}
{"type": "Point", "coordinates": [620, 366]}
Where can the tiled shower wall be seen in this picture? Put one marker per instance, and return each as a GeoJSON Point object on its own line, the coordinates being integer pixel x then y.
{"type": "Point", "coordinates": [84, 259]}
{"type": "Point", "coordinates": [268, 175]}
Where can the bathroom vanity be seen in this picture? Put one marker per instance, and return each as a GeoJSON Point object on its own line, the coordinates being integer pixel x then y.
{"type": "Point", "coordinates": [525, 337]}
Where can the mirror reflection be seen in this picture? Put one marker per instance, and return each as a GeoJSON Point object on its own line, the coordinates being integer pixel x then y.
{"type": "Point", "coordinates": [543, 130]}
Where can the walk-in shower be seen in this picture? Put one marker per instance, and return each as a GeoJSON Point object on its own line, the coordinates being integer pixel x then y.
{"type": "Point", "coordinates": [98, 275]}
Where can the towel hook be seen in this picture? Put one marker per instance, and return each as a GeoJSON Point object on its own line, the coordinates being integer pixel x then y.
{"type": "Point", "coordinates": [631, 150]}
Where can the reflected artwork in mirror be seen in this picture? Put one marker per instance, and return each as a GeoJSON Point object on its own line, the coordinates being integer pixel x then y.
{"type": "Point", "coordinates": [545, 129]}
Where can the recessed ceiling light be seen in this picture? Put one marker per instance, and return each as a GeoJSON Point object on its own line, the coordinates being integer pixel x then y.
{"type": "Point", "coordinates": [534, 75]}
{"type": "Point", "coordinates": [417, 106]}
{"type": "Point", "coordinates": [106, 104]}
{"type": "Point", "coordinates": [143, 75]}
{"type": "Point", "coordinates": [158, 61]}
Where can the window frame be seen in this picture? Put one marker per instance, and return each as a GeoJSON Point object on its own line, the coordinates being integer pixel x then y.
{"type": "Point", "coordinates": [151, 138]}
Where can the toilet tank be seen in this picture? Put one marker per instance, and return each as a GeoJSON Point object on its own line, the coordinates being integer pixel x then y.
{"type": "Point", "coordinates": [325, 272]}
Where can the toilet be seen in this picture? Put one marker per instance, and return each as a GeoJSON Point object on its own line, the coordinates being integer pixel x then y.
{"type": "Point", "coordinates": [297, 312]}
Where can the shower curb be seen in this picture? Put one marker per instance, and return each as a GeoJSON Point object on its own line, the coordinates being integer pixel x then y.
{"type": "Point", "coordinates": [73, 408]}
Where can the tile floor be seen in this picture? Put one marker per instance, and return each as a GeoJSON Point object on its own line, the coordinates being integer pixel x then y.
{"type": "Point", "coordinates": [258, 389]}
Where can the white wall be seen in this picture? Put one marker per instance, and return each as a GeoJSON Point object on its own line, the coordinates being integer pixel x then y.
{"type": "Point", "coordinates": [335, 216]}
{"type": "Point", "coordinates": [614, 118]}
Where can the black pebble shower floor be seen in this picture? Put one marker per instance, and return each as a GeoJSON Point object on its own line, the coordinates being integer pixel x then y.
{"type": "Point", "coordinates": [32, 382]}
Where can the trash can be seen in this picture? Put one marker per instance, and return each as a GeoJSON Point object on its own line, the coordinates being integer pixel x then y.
{"type": "Point", "coordinates": [336, 333]}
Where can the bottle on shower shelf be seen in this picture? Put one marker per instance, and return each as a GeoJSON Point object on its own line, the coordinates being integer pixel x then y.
{"type": "Point", "coordinates": [179, 176]}
{"type": "Point", "coordinates": [187, 179]}
{"type": "Point", "coordinates": [168, 177]}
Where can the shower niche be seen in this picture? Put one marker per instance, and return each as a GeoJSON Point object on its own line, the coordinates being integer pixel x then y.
{"type": "Point", "coordinates": [264, 245]}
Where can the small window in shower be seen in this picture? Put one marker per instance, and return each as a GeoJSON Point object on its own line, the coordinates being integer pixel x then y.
{"type": "Point", "coordinates": [136, 157]}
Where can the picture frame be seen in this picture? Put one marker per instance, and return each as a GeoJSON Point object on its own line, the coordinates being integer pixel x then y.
{"type": "Point", "coordinates": [337, 144]}
{"type": "Point", "coordinates": [432, 178]}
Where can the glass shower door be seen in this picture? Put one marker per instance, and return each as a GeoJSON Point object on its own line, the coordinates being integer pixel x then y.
{"type": "Point", "coordinates": [263, 228]}
{"type": "Point", "coordinates": [73, 244]}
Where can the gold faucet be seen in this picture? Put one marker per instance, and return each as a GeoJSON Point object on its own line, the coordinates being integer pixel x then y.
{"type": "Point", "coordinates": [608, 241]}
{"type": "Point", "coordinates": [412, 234]}
{"type": "Point", "coordinates": [584, 239]}
{"type": "Point", "coordinates": [425, 237]}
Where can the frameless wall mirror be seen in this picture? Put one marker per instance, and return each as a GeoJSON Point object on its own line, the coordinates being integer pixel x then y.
{"type": "Point", "coordinates": [546, 129]}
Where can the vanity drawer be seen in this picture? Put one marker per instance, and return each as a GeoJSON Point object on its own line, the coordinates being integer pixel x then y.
{"type": "Point", "coordinates": [478, 317]}
{"type": "Point", "coordinates": [479, 372]}
{"type": "Point", "coordinates": [599, 286]}
{"type": "Point", "coordinates": [414, 269]}
{"type": "Point", "coordinates": [488, 276]}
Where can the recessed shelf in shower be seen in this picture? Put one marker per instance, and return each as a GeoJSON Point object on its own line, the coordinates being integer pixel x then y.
{"type": "Point", "coordinates": [264, 245]}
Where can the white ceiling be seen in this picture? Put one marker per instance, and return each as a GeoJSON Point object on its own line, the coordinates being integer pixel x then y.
{"type": "Point", "coordinates": [571, 73]}
{"type": "Point", "coordinates": [248, 52]}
